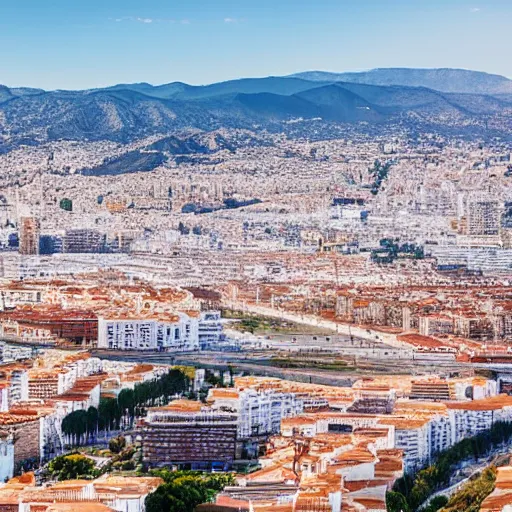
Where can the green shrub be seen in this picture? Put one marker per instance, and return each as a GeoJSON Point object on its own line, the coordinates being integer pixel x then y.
{"type": "Point", "coordinates": [69, 467]}
{"type": "Point", "coordinates": [116, 444]}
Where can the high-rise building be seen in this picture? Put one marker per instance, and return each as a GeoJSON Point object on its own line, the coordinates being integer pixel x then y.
{"type": "Point", "coordinates": [484, 217]}
{"type": "Point", "coordinates": [29, 236]}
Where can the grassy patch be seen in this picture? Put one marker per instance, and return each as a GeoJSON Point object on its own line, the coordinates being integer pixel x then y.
{"type": "Point", "coordinates": [284, 362]}
{"type": "Point", "coordinates": [256, 324]}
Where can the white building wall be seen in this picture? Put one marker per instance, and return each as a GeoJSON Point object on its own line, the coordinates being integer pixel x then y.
{"type": "Point", "coordinates": [51, 431]}
{"type": "Point", "coordinates": [4, 399]}
{"type": "Point", "coordinates": [415, 443]}
{"type": "Point", "coordinates": [199, 377]}
{"type": "Point", "coordinates": [468, 423]}
{"type": "Point", "coordinates": [18, 389]}
{"type": "Point", "coordinates": [149, 334]}
{"type": "Point", "coordinates": [64, 383]}
{"type": "Point", "coordinates": [335, 501]}
{"type": "Point", "coordinates": [364, 471]}
{"type": "Point", "coordinates": [209, 328]}
{"type": "Point", "coordinates": [128, 504]}
{"type": "Point", "coordinates": [440, 434]}
{"type": "Point", "coordinates": [261, 412]}
{"type": "Point", "coordinates": [94, 400]}
{"type": "Point", "coordinates": [6, 459]}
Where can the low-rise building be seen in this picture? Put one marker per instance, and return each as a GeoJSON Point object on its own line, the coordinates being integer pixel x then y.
{"type": "Point", "coordinates": [105, 494]}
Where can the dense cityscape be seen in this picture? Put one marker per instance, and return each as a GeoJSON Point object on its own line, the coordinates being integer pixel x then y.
{"type": "Point", "coordinates": [321, 322]}
{"type": "Point", "coordinates": [280, 294]}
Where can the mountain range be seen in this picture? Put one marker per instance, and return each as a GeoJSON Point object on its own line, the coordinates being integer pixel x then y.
{"type": "Point", "coordinates": [458, 101]}
{"type": "Point", "coordinates": [443, 79]}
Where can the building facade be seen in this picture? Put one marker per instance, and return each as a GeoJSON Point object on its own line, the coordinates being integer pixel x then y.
{"type": "Point", "coordinates": [174, 334]}
{"type": "Point", "coordinates": [192, 439]}
{"type": "Point", "coordinates": [210, 329]}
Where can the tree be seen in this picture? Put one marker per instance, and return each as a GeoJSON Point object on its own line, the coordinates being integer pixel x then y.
{"type": "Point", "coordinates": [396, 502]}
{"type": "Point", "coordinates": [231, 374]}
{"type": "Point", "coordinates": [79, 426]}
{"type": "Point", "coordinates": [109, 414]}
{"type": "Point", "coordinates": [126, 401]}
{"type": "Point", "coordinates": [436, 504]}
{"type": "Point", "coordinates": [66, 204]}
{"type": "Point", "coordinates": [217, 481]}
{"type": "Point", "coordinates": [74, 425]}
{"type": "Point", "coordinates": [250, 324]}
{"type": "Point", "coordinates": [162, 500]}
{"type": "Point", "coordinates": [92, 421]}
{"type": "Point", "coordinates": [213, 380]}
{"type": "Point", "coordinates": [182, 491]}
{"type": "Point", "coordinates": [379, 172]}
{"type": "Point", "coordinates": [69, 467]}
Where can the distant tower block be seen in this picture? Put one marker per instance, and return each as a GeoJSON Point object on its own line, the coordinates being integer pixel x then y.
{"type": "Point", "coordinates": [484, 217]}
{"type": "Point", "coordinates": [29, 236]}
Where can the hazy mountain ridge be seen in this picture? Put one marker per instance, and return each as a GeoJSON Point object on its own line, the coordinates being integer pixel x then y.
{"type": "Point", "coordinates": [440, 79]}
{"type": "Point", "coordinates": [127, 112]}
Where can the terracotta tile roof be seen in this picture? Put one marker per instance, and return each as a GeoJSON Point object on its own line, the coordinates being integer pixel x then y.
{"type": "Point", "coordinates": [486, 404]}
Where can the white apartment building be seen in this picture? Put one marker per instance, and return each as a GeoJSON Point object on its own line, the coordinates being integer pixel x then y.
{"type": "Point", "coordinates": [13, 352]}
{"type": "Point", "coordinates": [259, 412]}
{"type": "Point", "coordinates": [479, 390]}
{"type": "Point", "coordinates": [179, 334]}
{"type": "Point", "coordinates": [210, 329]}
{"type": "Point", "coordinates": [422, 439]}
{"type": "Point", "coordinates": [4, 398]}
{"type": "Point", "coordinates": [77, 370]}
{"type": "Point", "coordinates": [51, 437]}
{"type": "Point", "coordinates": [414, 440]}
{"type": "Point", "coordinates": [18, 388]}
{"type": "Point", "coordinates": [467, 420]}
{"type": "Point", "coordinates": [440, 434]}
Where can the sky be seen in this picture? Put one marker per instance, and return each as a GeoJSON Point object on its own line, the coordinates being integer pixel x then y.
{"type": "Point", "coordinates": [78, 44]}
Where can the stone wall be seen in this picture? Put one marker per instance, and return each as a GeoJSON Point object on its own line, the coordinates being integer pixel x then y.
{"type": "Point", "coordinates": [26, 441]}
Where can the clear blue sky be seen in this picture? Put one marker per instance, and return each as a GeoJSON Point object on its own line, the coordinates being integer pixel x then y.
{"type": "Point", "coordinates": [90, 43]}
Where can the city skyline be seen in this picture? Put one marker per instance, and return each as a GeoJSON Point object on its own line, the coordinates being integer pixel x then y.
{"type": "Point", "coordinates": [87, 45]}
